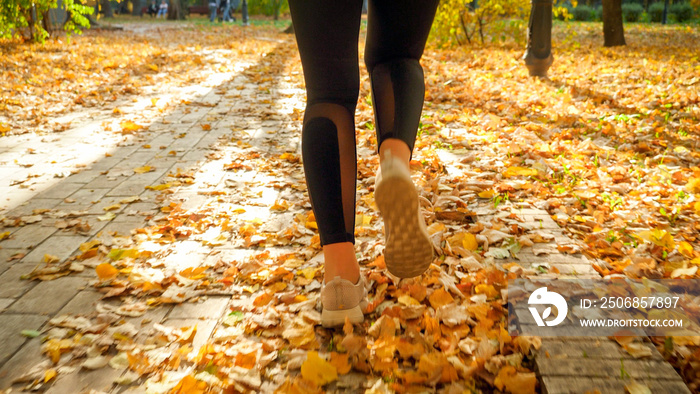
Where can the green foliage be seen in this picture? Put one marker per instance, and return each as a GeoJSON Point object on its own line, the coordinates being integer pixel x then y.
{"type": "Point", "coordinates": [656, 12]}
{"type": "Point", "coordinates": [682, 11]}
{"type": "Point", "coordinates": [584, 13]}
{"type": "Point", "coordinates": [29, 19]}
{"type": "Point", "coordinates": [460, 22]}
{"type": "Point", "coordinates": [267, 7]}
{"type": "Point", "coordinates": [632, 12]}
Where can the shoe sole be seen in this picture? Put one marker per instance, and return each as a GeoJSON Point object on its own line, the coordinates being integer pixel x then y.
{"type": "Point", "coordinates": [408, 252]}
{"type": "Point", "coordinates": [337, 318]}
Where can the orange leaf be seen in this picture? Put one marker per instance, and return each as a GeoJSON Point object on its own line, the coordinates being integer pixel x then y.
{"type": "Point", "coordinates": [440, 298]}
{"type": "Point", "coordinates": [246, 360]}
{"type": "Point", "coordinates": [263, 299]}
{"type": "Point", "coordinates": [514, 381]}
{"type": "Point", "coordinates": [106, 271]}
{"type": "Point", "coordinates": [341, 362]}
{"type": "Point", "coordinates": [189, 385]}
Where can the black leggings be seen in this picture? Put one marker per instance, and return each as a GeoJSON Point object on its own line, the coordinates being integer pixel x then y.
{"type": "Point", "coordinates": [327, 33]}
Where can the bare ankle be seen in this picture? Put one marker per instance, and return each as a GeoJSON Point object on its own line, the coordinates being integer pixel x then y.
{"type": "Point", "coordinates": [340, 261]}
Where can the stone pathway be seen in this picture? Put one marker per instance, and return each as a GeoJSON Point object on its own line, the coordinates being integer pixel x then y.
{"type": "Point", "coordinates": [179, 141]}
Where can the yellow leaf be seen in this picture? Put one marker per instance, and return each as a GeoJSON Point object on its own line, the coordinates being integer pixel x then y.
{"type": "Point", "coordinates": [152, 67]}
{"type": "Point", "coordinates": [658, 237]}
{"type": "Point", "coordinates": [106, 271]}
{"type": "Point", "coordinates": [189, 385]}
{"type": "Point", "coordinates": [693, 185]}
{"type": "Point", "coordinates": [112, 207]}
{"type": "Point", "coordinates": [107, 216]}
{"type": "Point", "coordinates": [129, 200]}
{"type": "Point", "coordinates": [159, 187]}
{"type": "Point", "coordinates": [50, 259]}
{"type": "Point", "coordinates": [143, 170]}
{"type": "Point", "coordinates": [686, 249]}
{"type": "Point", "coordinates": [50, 374]}
{"type": "Point", "coordinates": [637, 388]}
{"type": "Point", "coordinates": [4, 235]}
{"type": "Point", "coordinates": [519, 171]}
{"type": "Point", "coordinates": [309, 273]}
{"type": "Point", "coordinates": [486, 194]}
{"type": "Point", "coordinates": [317, 370]}
{"type": "Point", "coordinates": [469, 241]}
{"type": "Point", "coordinates": [489, 290]}
{"type": "Point", "coordinates": [187, 334]}
{"type": "Point", "coordinates": [408, 300]}
{"type": "Point", "coordinates": [129, 126]}
{"type": "Point", "coordinates": [280, 205]}
{"type": "Point", "coordinates": [154, 101]}
{"type": "Point", "coordinates": [84, 247]}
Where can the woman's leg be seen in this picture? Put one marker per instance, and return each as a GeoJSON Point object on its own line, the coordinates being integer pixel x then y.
{"type": "Point", "coordinates": [396, 37]}
{"type": "Point", "coordinates": [327, 33]}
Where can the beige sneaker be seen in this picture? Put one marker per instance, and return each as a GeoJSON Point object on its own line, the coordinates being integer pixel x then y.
{"type": "Point", "coordinates": [340, 298]}
{"type": "Point", "coordinates": [408, 251]}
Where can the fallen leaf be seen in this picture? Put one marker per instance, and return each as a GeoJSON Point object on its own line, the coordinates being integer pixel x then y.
{"type": "Point", "coordinates": [317, 370]}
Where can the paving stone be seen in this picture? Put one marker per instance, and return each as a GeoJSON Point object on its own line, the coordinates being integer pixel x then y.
{"type": "Point", "coordinates": [140, 207]}
{"type": "Point", "coordinates": [23, 360]}
{"type": "Point", "coordinates": [85, 176]}
{"type": "Point", "coordinates": [212, 308]}
{"type": "Point", "coordinates": [49, 297]}
{"type": "Point", "coordinates": [135, 184]}
{"type": "Point", "coordinates": [83, 303]}
{"type": "Point", "coordinates": [5, 302]}
{"type": "Point", "coordinates": [84, 199]}
{"type": "Point", "coordinates": [11, 326]}
{"type": "Point", "coordinates": [109, 162]}
{"type": "Point", "coordinates": [596, 368]}
{"type": "Point", "coordinates": [11, 286]}
{"type": "Point", "coordinates": [99, 207]}
{"type": "Point", "coordinates": [122, 227]}
{"type": "Point", "coordinates": [27, 237]}
{"type": "Point", "coordinates": [593, 348]}
{"type": "Point", "coordinates": [61, 246]}
{"type": "Point", "coordinates": [580, 385]}
{"type": "Point", "coordinates": [81, 381]}
{"type": "Point", "coordinates": [574, 269]}
{"type": "Point", "coordinates": [5, 255]}
{"type": "Point", "coordinates": [204, 329]}
{"type": "Point", "coordinates": [62, 190]}
{"type": "Point", "coordinates": [105, 182]}
{"type": "Point", "coordinates": [138, 158]}
{"type": "Point", "coordinates": [35, 203]}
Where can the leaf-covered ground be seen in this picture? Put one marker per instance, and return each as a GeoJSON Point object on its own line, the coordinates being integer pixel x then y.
{"type": "Point", "coordinates": [608, 146]}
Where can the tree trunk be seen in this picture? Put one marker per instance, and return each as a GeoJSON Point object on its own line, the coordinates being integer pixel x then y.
{"type": "Point", "coordinates": [277, 4]}
{"type": "Point", "coordinates": [136, 11]}
{"type": "Point", "coordinates": [613, 30]}
{"type": "Point", "coordinates": [107, 9]}
{"type": "Point", "coordinates": [664, 17]}
{"type": "Point", "coordinates": [538, 55]}
{"type": "Point", "coordinates": [176, 11]}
